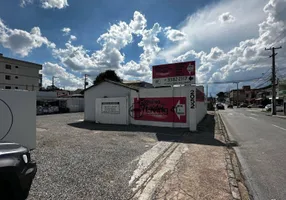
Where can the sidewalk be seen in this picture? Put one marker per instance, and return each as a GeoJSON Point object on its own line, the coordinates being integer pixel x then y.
{"type": "Point", "coordinates": [203, 172]}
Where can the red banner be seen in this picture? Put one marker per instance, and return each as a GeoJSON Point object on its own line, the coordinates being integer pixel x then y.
{"type": "Point", "coordinates": [200, 96]}
{"type": "Point", "coordinates": [174, 70]}
{"type": "Point", "coordinates": [163, 109]}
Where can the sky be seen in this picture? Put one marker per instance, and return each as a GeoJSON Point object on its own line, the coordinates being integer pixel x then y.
{"type": "Point", "coordinates": [70, 38]}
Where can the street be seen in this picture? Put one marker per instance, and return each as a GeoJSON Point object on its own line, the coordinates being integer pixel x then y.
{"type": "Point", "coordinates": [261, 150]}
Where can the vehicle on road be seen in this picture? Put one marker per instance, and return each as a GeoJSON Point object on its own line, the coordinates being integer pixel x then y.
{"type": "Point", "coordinates": [17, 171]}
{"type": "Point", "coordinates": [230, 106]}
{"type": "Point", "coordinates": [220, 106]}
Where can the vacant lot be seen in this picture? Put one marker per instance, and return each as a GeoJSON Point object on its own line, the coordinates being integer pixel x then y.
{"type": "Point", "coordinates": [78, 160]}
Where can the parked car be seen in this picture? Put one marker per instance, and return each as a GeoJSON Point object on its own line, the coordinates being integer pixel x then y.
{"type": "Point", "coordinates": [249, 106]}
{"type": "Point", "coordinates": [243, 105]}
{"type": "Point", "coordinates": [230, 106]}
{"type": "Point", "coordinates": [17, 171]}
{"type": "Point", "coordinates": [261, 106]}
{"type": "Point", "coordinates": [268, 107]}
{"type": "Point", "coordinates": [220, 106]}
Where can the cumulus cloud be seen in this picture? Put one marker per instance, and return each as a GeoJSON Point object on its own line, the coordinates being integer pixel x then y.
{"type": "Point", "coordinates": [47, 4]}
{"type": "Point", "coordinates": [66, 30]}
{"type": "Point", "coordinates": [117, 37]}
{"type": "Point", "coordinates": [59, 4]}
{"type": "Point", "coordinates": [64, 78]}
{"type": "Point", "coordinates": [22, 42]}
{"type": "Point", "coordinates": [248, 59]}
{"type": "Point", "coordinates": [174, 35]}
{"type": "Point", "coordinates": [73, 37]}
{"type": "Point", "coordinates": [23, 3]}
{"type": "Point", "coordinates": [226, 18]}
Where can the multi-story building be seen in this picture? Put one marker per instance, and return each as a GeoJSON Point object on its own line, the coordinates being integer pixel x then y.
{"type": "Point", "coordinates": [19, 74]}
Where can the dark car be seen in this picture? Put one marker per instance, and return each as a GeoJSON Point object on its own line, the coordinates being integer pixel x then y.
{"type": "Point", "coordinates": [243, 105]}
{"type": "Point", "coordinates": [219, 106]}
{"type": "Point", "coordinates": [17, 171]}
{"type": "Point", "coordinates": [230, 106]}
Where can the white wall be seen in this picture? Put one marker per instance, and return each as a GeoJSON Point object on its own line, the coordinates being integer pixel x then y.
{"type": "Point", "coordinates": [21, 118]}
{"type": "Point", "coordinates": [102, 90]}
{"type": "Point", "coordinates": [120, 116]}
{"type": "Point", "coordinates": [167, 92]}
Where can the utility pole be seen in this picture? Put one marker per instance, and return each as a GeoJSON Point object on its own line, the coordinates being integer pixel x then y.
{"type": "Point", "coordinates": [237, 95]}
{"type": "Point", "coordinates": [85, 83]}
{"type": "Point", "coordinates": [53, 82]}
{"type": "Point", "coordinates": [273, 78]}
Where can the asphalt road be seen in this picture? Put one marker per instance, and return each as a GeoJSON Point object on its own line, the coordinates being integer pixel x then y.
{"type": "Point", "coordinates": [261, 150]}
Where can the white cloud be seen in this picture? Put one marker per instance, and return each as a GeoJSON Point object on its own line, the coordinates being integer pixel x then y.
{"type": "Point", "coordinates": [63, 77]}
{"type": "Point", "coordinates": [22, 42]}
{"type": "Point", "coordinates": [47, 4]}
{"type": "Point", "coordinates": [174, 35]}
{"type": "Point", "coordinates": [66, 30]}
{"type": "Point", "coordinates": [60, 4]}
{"type": "Point", "coordinates": [226, 18]}
{"type": "Point", "coordinates": [23, 3]}
{"type": "Point", "coordinates": [248, 59]}
{"type": "Point", "coordinates": [73, 37]}
{"type": "Point", "coordinates": [139, 23]}
{"type": "Point", "coordinates": [203, 30]}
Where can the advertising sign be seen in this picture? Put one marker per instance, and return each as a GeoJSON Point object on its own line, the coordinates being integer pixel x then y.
{"type": "Point", "coordinates": [163, 109]}
{"type": "Point", "coordinates": [110, 107]}
{"type": "Point", "coordinates": [174, 74]}
{"type": "Point", "coordinates": [200, 96]}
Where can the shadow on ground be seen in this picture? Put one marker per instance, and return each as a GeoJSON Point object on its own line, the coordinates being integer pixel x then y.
{"type": "Point", "coordinates": [205, 134]}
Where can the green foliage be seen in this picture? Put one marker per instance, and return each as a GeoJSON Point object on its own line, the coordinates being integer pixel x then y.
{"type": "Point", "coordinates": [108, 74]}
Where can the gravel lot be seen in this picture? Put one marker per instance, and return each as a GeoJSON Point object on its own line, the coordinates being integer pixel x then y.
{"type": "Point", "coordinates": [80, 160]}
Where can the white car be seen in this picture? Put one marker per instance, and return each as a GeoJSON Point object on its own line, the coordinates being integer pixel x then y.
{"type": "Point", "coordinates": [268, 107]}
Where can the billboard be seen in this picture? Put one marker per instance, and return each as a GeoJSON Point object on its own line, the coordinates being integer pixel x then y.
{"type": "Point", "coordinates": [163, 109]}
{"type": "Point", "coordinates": [174, 74]}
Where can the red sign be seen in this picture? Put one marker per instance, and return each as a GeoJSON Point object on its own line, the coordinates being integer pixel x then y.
{"type": "Point", "coordinates": [175, 73]}
{"type": "Point", "coordinates": [200, 96]}
{"type": "Point", "coordinates": [163, 109]}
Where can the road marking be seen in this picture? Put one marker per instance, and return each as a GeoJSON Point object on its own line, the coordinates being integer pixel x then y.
{"type": "Point", "coordinates": [284, 129]}
{"type": "Point", "coordinates": [253, 118]}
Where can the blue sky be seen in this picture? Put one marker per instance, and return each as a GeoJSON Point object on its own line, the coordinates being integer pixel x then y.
{"type": "Point", "coordinates": [224, 37]}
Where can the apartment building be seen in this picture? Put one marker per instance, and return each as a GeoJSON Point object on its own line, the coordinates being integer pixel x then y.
{"type": "Point", "coordinates": [19, 74]}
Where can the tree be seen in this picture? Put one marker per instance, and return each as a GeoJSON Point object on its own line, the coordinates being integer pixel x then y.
{"type": "Point", "coordinates": [221, 96]}
{"type": "Point", "coordinates": [108, 74]}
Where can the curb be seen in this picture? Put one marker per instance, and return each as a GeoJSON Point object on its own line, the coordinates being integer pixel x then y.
{"type": "Point", "coordinates": [236, 181]}
{"type": "Point", "coordinates": [279, 116]}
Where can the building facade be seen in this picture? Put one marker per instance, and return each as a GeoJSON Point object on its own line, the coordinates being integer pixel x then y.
{"type": "Point", "coordinates": [18, 74]}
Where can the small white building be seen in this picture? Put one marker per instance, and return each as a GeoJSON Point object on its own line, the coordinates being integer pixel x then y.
{"type": "Point", "coordinates": [116, 103]}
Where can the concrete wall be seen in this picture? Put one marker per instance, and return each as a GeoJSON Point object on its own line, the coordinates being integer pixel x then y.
{"type": "Point", "coordinates": [105, 89]}
{"type": "Point", "coordinates": [18, 117]}
{"type": "Point", "coordinates": [168, 92]}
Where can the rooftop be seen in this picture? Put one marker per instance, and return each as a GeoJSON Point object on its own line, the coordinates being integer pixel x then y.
{"type": "Point", "coordinates": [13, 59]}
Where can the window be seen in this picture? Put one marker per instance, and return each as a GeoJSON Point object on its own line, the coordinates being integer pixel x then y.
{"type": "Point", "coordinates": [16, 87]}
{"type": "Point", "coordinates": [7, 87]}
{"type": "Point", "coordinates": [8, 67]}
{"type": "Point", "coordinates": [16, 66]}
{"type": "Point", "coordinates": [7, 77]}
{"type": "Point", "coordinates": [16, 77]}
